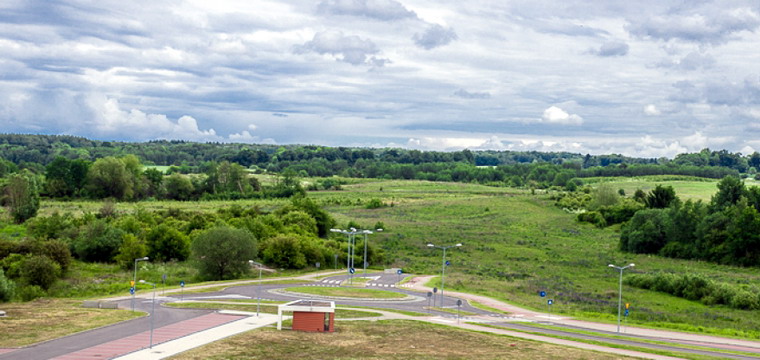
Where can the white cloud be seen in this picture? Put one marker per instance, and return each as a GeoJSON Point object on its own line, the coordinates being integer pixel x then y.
{"type": "Point", "coordinates": [652, 110]}
{"type": "Point", "coordinates": [555, 115]}
{"type": "Point", "coordinates": [377, 9]}
{"type": "Point", "coordinates": [351, 49]}
{"type": "Point", "coordinates": [434, 36]}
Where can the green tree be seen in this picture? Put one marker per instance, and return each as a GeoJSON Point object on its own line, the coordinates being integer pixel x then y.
{"type": "Point", "coordinates": [131, 248]}
{"type": "Point", "coordinates": [167, 243]}
{"type": "Point", "coordinates": [645, 233]}
{"type": "Point", "coordinates": [178, 187]}
{"type": "Point", "coordinates": [223, 252]}
{"type": "Point", "coordinates": [7, 288]}
{"type": "Point", "coordinates": [23, 196]}
{"type": "Point", "coordinates": [730, 190]}
{"type": "Point", "coordinates": [98, 242]}
{"type": "Point", "coordinates": [109, 177]}
{"type": "Point", "coordinates": [660, 197]}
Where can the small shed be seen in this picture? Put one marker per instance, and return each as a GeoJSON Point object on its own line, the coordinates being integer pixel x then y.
{"type": "Point", "coordinates": [309, 315]}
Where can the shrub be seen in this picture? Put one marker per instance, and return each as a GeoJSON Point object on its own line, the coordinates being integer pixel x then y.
{"type": "Point", "coordinates": [593, 217]}
{"type": "Point", "coordinates": [31, 292]}
{"type": "Point", "coordinates": [59, 252]}
{"type": "Point", "coordinates": [98, 242]}
{"type": "Point", "coordinates": [40, 270]}
{"type": "Point", "coordinates": [283, 251]}
{"type": "Point", "coordinates": [374, 204]}
{"type": "Point", "coordinates": [745, 300]}
{"type": "Point", "coordinates": [7, 288]}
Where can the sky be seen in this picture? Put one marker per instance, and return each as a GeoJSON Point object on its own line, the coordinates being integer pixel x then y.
{"type": "Point", "coordinates": [648, 78]}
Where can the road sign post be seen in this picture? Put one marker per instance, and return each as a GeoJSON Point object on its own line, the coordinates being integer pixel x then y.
{"type": "Point", "coordinates": [549, 304]}
{"type": "Point", "coordinates": [459, 306]}
{"type": "Point", "coordinates": [429, 296]}
{"type": "Point", "coordinates": [181, 289]}
{"type": "Point", "coordinates": [435, 290]}
{"type": "Point", "coordinates": [399, 272]}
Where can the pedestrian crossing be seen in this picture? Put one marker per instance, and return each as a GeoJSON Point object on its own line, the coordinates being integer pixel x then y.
{"type": "Point", "coordinates": [332, 282]}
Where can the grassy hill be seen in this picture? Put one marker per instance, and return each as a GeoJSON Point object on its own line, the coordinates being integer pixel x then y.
{"type": "Point", "coordinates": [517, 243]}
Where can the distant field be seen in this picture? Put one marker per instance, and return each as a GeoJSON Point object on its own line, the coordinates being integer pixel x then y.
{"type": "Point", "coordinates": [697, 189]}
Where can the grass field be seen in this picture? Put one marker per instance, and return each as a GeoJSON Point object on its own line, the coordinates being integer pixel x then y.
{"type": "Point", "coordinates": [384, 340]}
{"type": "Point", "coordinates": [45, 319]}
{"type": "Point", "coordinates": [517, 244]}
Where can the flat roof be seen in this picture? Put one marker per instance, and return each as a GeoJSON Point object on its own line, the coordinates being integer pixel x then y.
{"type": "Point", "coordinates": [308, 305]}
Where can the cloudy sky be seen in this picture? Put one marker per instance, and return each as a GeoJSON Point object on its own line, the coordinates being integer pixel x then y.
{"type": "Point", "coordinates": [643, 78]}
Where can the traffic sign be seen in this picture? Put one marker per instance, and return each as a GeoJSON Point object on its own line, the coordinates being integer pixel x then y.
{"type": "Point", "coordinates": [435, 289]}
{"type": "Point", "coordinates": [132, 290]}
{"type": "Point", "coordinates": [430, 294]}
{"type": "Point", "coordinates": [626, 312]}
{"type": "Point", "coordinates": [163, 278]}
{"type": "Point", "coordinates": [182, 283]}
{"type": "Point", "coordinates": [448, 263]}
{"type": "Point", "coordinates": [131, 283]}
{"type": "Point", "coordinates": [542, 293]}
{"type": "Point", "coordinates": [627, 305]}
{"type": "Point", "coordinates": [550, 301]}
{"type": "Point", "coordinates": [351, 270]}
{"type": "Point", "coordinates": [318, 265]}
{"type": "Point", "coordinates": [459, 302]}
{"type": "Point", "coordinates": [399, 272]}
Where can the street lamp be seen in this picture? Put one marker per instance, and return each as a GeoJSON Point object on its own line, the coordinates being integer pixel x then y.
{"type": "Point", "coordinates": [367, 232]}
{"type": "Point", "coordinates": [258, 286]}
{"type": "Point", "coordinates": [350, 260]}
{"type": "Point", "coordinates": [134, 280]}
{"type": "Point", "coordinates": [620, 291]}
{"type": "Point", "coordinates": [443, 263]}
{"type": "Point", "coordinates": [152, 311]}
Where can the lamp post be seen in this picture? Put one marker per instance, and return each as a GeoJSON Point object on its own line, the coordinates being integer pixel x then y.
{"type": "Point", "coordinates": [258, 287]}
{"type": "Point", "coordinates": [152, 311]}
{"type": "Point", "coordinates": [351, 233]}
{"type": "Point", "coordinates": [443, 264]}
{"type": "Point", "coordinates": [620, 290]}
{"type": "Point", "coordinates": [367, 232]}
{"type": "Point", "coordinates": [134, 280]}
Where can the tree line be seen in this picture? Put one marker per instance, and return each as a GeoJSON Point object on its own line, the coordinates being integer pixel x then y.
{"type": "Point", "coordinates": [725, 230]}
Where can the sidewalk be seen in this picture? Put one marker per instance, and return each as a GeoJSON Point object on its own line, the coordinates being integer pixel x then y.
{"type": "Point", "coordinates": [175, 338]}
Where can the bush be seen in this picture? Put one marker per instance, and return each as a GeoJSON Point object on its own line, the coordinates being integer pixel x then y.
{"type": "Point", "coordinates": [593, 217]}
{"type": "Point", "coordinates": [40, 270]}
{"type": "Point", "coordinates": [59, 252]}
{"type": "Point", "coordinates": [98, 242]}
{"type": "Point", "coordinates": [7, 288]}
{"type": "Point", "coordinates": [283, 251]}
{"type": "Point", "coordinates": [222, 253]}
{"type": "Point", "coordinates": [374, 204]}
{"type": "Point", "coordinates": [745, 300]}
{"type": "Point", "coordinates": [31, 292]}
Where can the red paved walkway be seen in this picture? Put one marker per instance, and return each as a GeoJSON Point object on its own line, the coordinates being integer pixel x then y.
{"type": "Point", "coordinates": [142, 340]}
{"type": "Point", "coordinates": [5, 351]}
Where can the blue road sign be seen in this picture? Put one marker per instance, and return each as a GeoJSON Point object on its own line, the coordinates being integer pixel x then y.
{"type": "Point", "coordinates": [550, 301]}
{"type": "Point", "coordinates": [351, 270]}
{"type": "Point", "coordinates": [182, 283]}
{"type": "Point", "coordinates": [626, 312]}
{"type": "Point", "coordinates": [132, 292]}
{"type": "Point", "coordinates": [435, 289]}
{"type": "Point", "coordinates": [448, 263]}
{"type": "Point", "coordinates": [542, 293]}
{"type": "Point", "coordinates": [399, 272]}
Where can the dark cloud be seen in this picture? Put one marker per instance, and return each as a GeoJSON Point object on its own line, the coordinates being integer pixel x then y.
{"type": "Point", "coordinates": [611, 48]}
{"type": "Point", "coordinates": [462, 93]}
{"type": "Point", "coordinates": [385, 10]}
{"type": "Point", "coordinates": [434, 36]}
{"type": "Point", "coordinates": [351, 49]}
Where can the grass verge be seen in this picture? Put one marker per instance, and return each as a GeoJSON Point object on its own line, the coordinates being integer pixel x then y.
{"type": "Point", "coordinates": [44, 319]}
{"type": "Point", "coordinates": [358, 293]}
{"type": "Point", "coordinates": [265, 308]}
{"type": "Point", "coordinates": [396, 339]}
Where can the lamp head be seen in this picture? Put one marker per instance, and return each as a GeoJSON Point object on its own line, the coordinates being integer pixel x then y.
{"type": "Point", "coordinates": [458, 245]}
{"type": "Point", "coordinates": [430, 245]}
{"type": "Point", "coordinates": [142, 281]}
{"type": "Point", "coordinates": [610, 265]}
{"type": "Point", "coordinates": [632, 265]}
{"type": "Point", "coordinates": [378, 230]}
